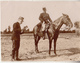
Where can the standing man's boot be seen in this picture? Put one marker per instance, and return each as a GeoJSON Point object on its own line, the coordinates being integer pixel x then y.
{"type": "Point", "coordinates": [13, 55]}
{"type": "Point", "coordinates": [17, 55]}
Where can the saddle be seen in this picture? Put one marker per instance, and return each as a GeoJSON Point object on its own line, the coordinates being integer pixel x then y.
{"type": "Point", "coordinates": [40, 31]}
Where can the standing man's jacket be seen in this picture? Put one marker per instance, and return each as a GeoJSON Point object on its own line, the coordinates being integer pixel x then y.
{"type": "Point", "coordinates": [16, 31]}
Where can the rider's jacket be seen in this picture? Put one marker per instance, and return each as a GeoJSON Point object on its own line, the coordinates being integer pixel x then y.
{"type": "Point", "coordinates": [45, 17]}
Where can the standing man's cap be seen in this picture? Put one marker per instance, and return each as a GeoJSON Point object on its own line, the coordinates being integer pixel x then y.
{"type": "Point", "coordinates": [20, 18]}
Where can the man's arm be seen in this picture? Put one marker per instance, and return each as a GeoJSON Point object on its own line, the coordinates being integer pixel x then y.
{"type": "Point", "coordinates": [40, 18]}
{"type": "Point", "coordinates": [49, 19]}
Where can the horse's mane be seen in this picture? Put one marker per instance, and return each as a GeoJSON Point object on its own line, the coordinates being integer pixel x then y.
{"type": "Point", "coordinates": [54, 23]}
{"type": "Point", "coordinates": [57, 20]}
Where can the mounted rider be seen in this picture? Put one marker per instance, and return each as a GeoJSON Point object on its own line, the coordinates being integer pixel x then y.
{"type": "Point", "coordinates": [45, 20]}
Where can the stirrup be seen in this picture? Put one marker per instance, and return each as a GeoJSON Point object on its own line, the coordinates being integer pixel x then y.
{"type": "Point", "coordinates": [43, 38]}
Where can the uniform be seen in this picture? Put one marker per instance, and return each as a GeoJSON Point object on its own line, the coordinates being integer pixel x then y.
{"type": "Point", "coordinates": [16, 39]}
{"type": "Point", "coordinates": [45, 17]}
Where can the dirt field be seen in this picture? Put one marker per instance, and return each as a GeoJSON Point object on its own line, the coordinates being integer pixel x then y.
{"type": "Point", "coordinates": [68, 48]}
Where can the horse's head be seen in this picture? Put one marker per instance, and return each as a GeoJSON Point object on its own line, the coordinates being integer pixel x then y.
{"type": "Point", "coordinates": [67, 21]}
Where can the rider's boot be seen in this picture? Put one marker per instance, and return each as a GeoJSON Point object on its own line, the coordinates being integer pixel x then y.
{"type": "Point", "coordinates": [43, 35]}
{"type": "Point", "coordinates": [45, 31]}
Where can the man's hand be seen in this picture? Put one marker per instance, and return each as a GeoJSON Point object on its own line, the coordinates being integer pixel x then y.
{"type": "Point", "coordinates": [22, 31]}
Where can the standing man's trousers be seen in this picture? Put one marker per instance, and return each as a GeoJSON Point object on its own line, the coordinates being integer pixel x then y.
{"type": "Point", "coordinates": [15, 48]}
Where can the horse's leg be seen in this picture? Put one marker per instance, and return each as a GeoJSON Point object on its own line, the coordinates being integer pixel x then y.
{"type": "Point", "coordinates": [36, 44]}
{"type": "Point", "coordinates": [50, 44]}
{"type": "Point", "coordinates": [55, 40]}
{"type": "Point", "coordinates": [55, 46]}
{"type": "Point", "coordinates": [35, 38]}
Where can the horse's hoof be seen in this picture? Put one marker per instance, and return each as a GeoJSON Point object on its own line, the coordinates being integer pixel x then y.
{"type": "Point", "coordinates": [37, 51]}
{"type": "Point", "coordinates": [55, 54]}
{"type": "Point", "coordinates": [49, 54]}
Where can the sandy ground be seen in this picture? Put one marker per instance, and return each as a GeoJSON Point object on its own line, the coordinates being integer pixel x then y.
{"type": "Point", "coordinates": [68, 49]}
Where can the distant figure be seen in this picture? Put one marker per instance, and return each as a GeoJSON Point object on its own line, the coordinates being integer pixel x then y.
{"type": "Point", "coordinates": [77, 25]}
{"type": "Point", "coordinates": [45, 19]}
{"type": "Point", "coordinates": [9, 28]}
{"type": "Point", "coordinates": [16, 38]}
{"type": "Point", "coordinates": [5, 31]}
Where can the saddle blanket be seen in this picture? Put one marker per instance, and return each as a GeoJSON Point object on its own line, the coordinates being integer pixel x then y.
{"type": "Point", "coordinates": [41, 35]}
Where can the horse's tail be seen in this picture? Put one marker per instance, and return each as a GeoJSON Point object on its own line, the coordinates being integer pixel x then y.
{"type": "Point", "coordinates": [35, 30]}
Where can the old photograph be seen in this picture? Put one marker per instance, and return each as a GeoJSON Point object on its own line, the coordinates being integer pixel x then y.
{"type": "Point", "coordinates": [40, 31]}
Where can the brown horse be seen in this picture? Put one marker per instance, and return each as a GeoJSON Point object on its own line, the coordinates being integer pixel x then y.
{"type": "Point", "coordinates": [53, 31]}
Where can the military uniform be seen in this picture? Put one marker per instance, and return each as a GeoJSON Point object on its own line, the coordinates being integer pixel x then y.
{"type": "Point", "coordinates": [45, 17]}
{"type": "Point", "coordinates": [16, 40]}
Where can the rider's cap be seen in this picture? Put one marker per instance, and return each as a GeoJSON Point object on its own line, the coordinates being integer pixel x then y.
{"type": "Point", "coordinates": [44, 8]}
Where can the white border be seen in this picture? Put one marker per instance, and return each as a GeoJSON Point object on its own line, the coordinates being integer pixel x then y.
{"type": "Point", "coordinates": [30, 61]}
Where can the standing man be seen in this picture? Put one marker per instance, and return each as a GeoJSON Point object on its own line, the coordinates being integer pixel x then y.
{"type": "Point", "coordinates": [45, 18]}
{"type": "Point", "coordinates": [16, 38]}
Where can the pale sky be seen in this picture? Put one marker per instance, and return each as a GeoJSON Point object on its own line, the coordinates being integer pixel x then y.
{"type": "Point", "coordinates": [11, 10]}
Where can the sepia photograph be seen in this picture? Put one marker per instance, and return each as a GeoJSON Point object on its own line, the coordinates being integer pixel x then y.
{"type": "Point", "coordinates": [40, 31]}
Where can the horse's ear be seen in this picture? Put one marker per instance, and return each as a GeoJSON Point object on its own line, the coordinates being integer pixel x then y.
{"type": "Point", "coordinates": [65, 15]}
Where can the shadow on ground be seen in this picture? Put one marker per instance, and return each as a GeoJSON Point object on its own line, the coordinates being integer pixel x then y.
{"type": "Point", "coordinates": [72, 51]}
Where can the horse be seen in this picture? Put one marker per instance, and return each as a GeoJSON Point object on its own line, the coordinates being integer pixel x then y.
{"type": "Point", "coordinates": [52, 32]}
